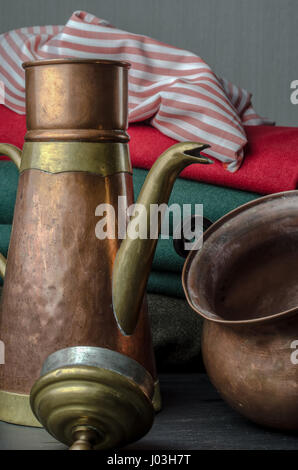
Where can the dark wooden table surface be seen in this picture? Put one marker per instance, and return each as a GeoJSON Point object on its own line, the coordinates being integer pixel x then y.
{"type": "Point", "coordinates": [193, 417]}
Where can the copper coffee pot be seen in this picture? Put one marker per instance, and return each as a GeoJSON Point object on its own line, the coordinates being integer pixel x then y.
{"type": "Point", "coordinates": [244, 283]}
{"type": "Point", "coordinates": [63, 286]}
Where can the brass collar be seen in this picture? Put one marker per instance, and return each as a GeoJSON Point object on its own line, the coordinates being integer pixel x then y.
{"type": "Point", "coordinates": [57, 157]}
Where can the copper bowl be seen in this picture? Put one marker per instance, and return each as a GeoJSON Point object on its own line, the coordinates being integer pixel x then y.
{"type": "Point", "coordinates": [244, 283]}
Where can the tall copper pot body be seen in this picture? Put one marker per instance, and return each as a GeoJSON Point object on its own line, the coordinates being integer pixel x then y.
{"type": "Point", "coordinates": [244, 283]}
{"type": "Point", "coordinates": [69, 283]}
{"type": "Point", "coordinates": [58, 290]}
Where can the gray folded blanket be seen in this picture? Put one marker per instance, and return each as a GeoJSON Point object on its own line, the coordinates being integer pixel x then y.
{"type": "Point", "coordinates": [176, 331]}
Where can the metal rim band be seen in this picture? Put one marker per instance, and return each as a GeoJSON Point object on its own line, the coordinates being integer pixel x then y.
{"type": "Point", "coordinates": [77, 135]}
{"type": "Point", "coordinates": [104, 359]}
{"type": "Point", "coordinates": [35, 63]}
{"type": "Point", "coordinates": [57, 157]}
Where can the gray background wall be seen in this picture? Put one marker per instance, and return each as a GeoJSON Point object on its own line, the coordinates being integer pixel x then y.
{"type": "Point", "coordinates": [251, 42]}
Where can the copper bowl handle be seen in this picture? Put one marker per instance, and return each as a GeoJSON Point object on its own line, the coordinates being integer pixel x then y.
{"type": "Point", "coordinates": [188, 225]}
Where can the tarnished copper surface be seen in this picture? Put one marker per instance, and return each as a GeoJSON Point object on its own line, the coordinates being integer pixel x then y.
{"type": "Point", "coordinates": [244, 283]}
{"type": "Point", "coordinates": [251, 368]}
{"type": "Point", "coordinates": [77, 99]}
{"type": "Point", "coordinates": [57, 290]}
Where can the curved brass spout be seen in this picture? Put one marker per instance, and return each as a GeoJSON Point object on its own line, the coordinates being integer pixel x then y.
{"type": "Point", "coordinates": [134, 259]}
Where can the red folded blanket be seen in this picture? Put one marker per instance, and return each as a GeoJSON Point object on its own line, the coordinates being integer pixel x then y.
{"type": "Point", "coordinates": [270, 164]}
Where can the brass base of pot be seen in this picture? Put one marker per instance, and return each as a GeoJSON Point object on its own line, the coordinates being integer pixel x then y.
{"type": "Point", "coordinates": [111, 408]}
{"type": "Point", "coordinates": [15, 407]}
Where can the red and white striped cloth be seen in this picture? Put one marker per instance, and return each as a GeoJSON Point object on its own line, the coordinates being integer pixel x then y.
{"type": "Point", "coordinates": [175, 88]}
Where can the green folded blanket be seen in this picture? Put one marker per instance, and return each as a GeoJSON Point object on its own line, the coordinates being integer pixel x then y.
{"type": "Point", "coordinates": [4, 238]}
{"type": "Point", "coordinates": [166, 283]}
{"type": "Point", "coordinates": [8, 189]}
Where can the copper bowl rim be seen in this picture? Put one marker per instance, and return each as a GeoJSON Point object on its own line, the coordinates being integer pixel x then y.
{"type": "Point", "coordinates": [118, 63]}
{"type": "Point", "coordinates": [206, 314]}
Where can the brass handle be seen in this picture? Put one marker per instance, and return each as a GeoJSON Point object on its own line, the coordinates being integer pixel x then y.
{"type": "Point", "coordinates": [14, 153]}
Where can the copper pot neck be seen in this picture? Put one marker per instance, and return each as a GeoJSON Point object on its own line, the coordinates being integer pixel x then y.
{"type": "Point", "coordinates": [77, 100]}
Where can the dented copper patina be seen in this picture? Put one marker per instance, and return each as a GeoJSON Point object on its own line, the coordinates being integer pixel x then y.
{"type": "Point", "coordinates": [63, 286]}
{"type": "Point", "coordinates": [243, 282]}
